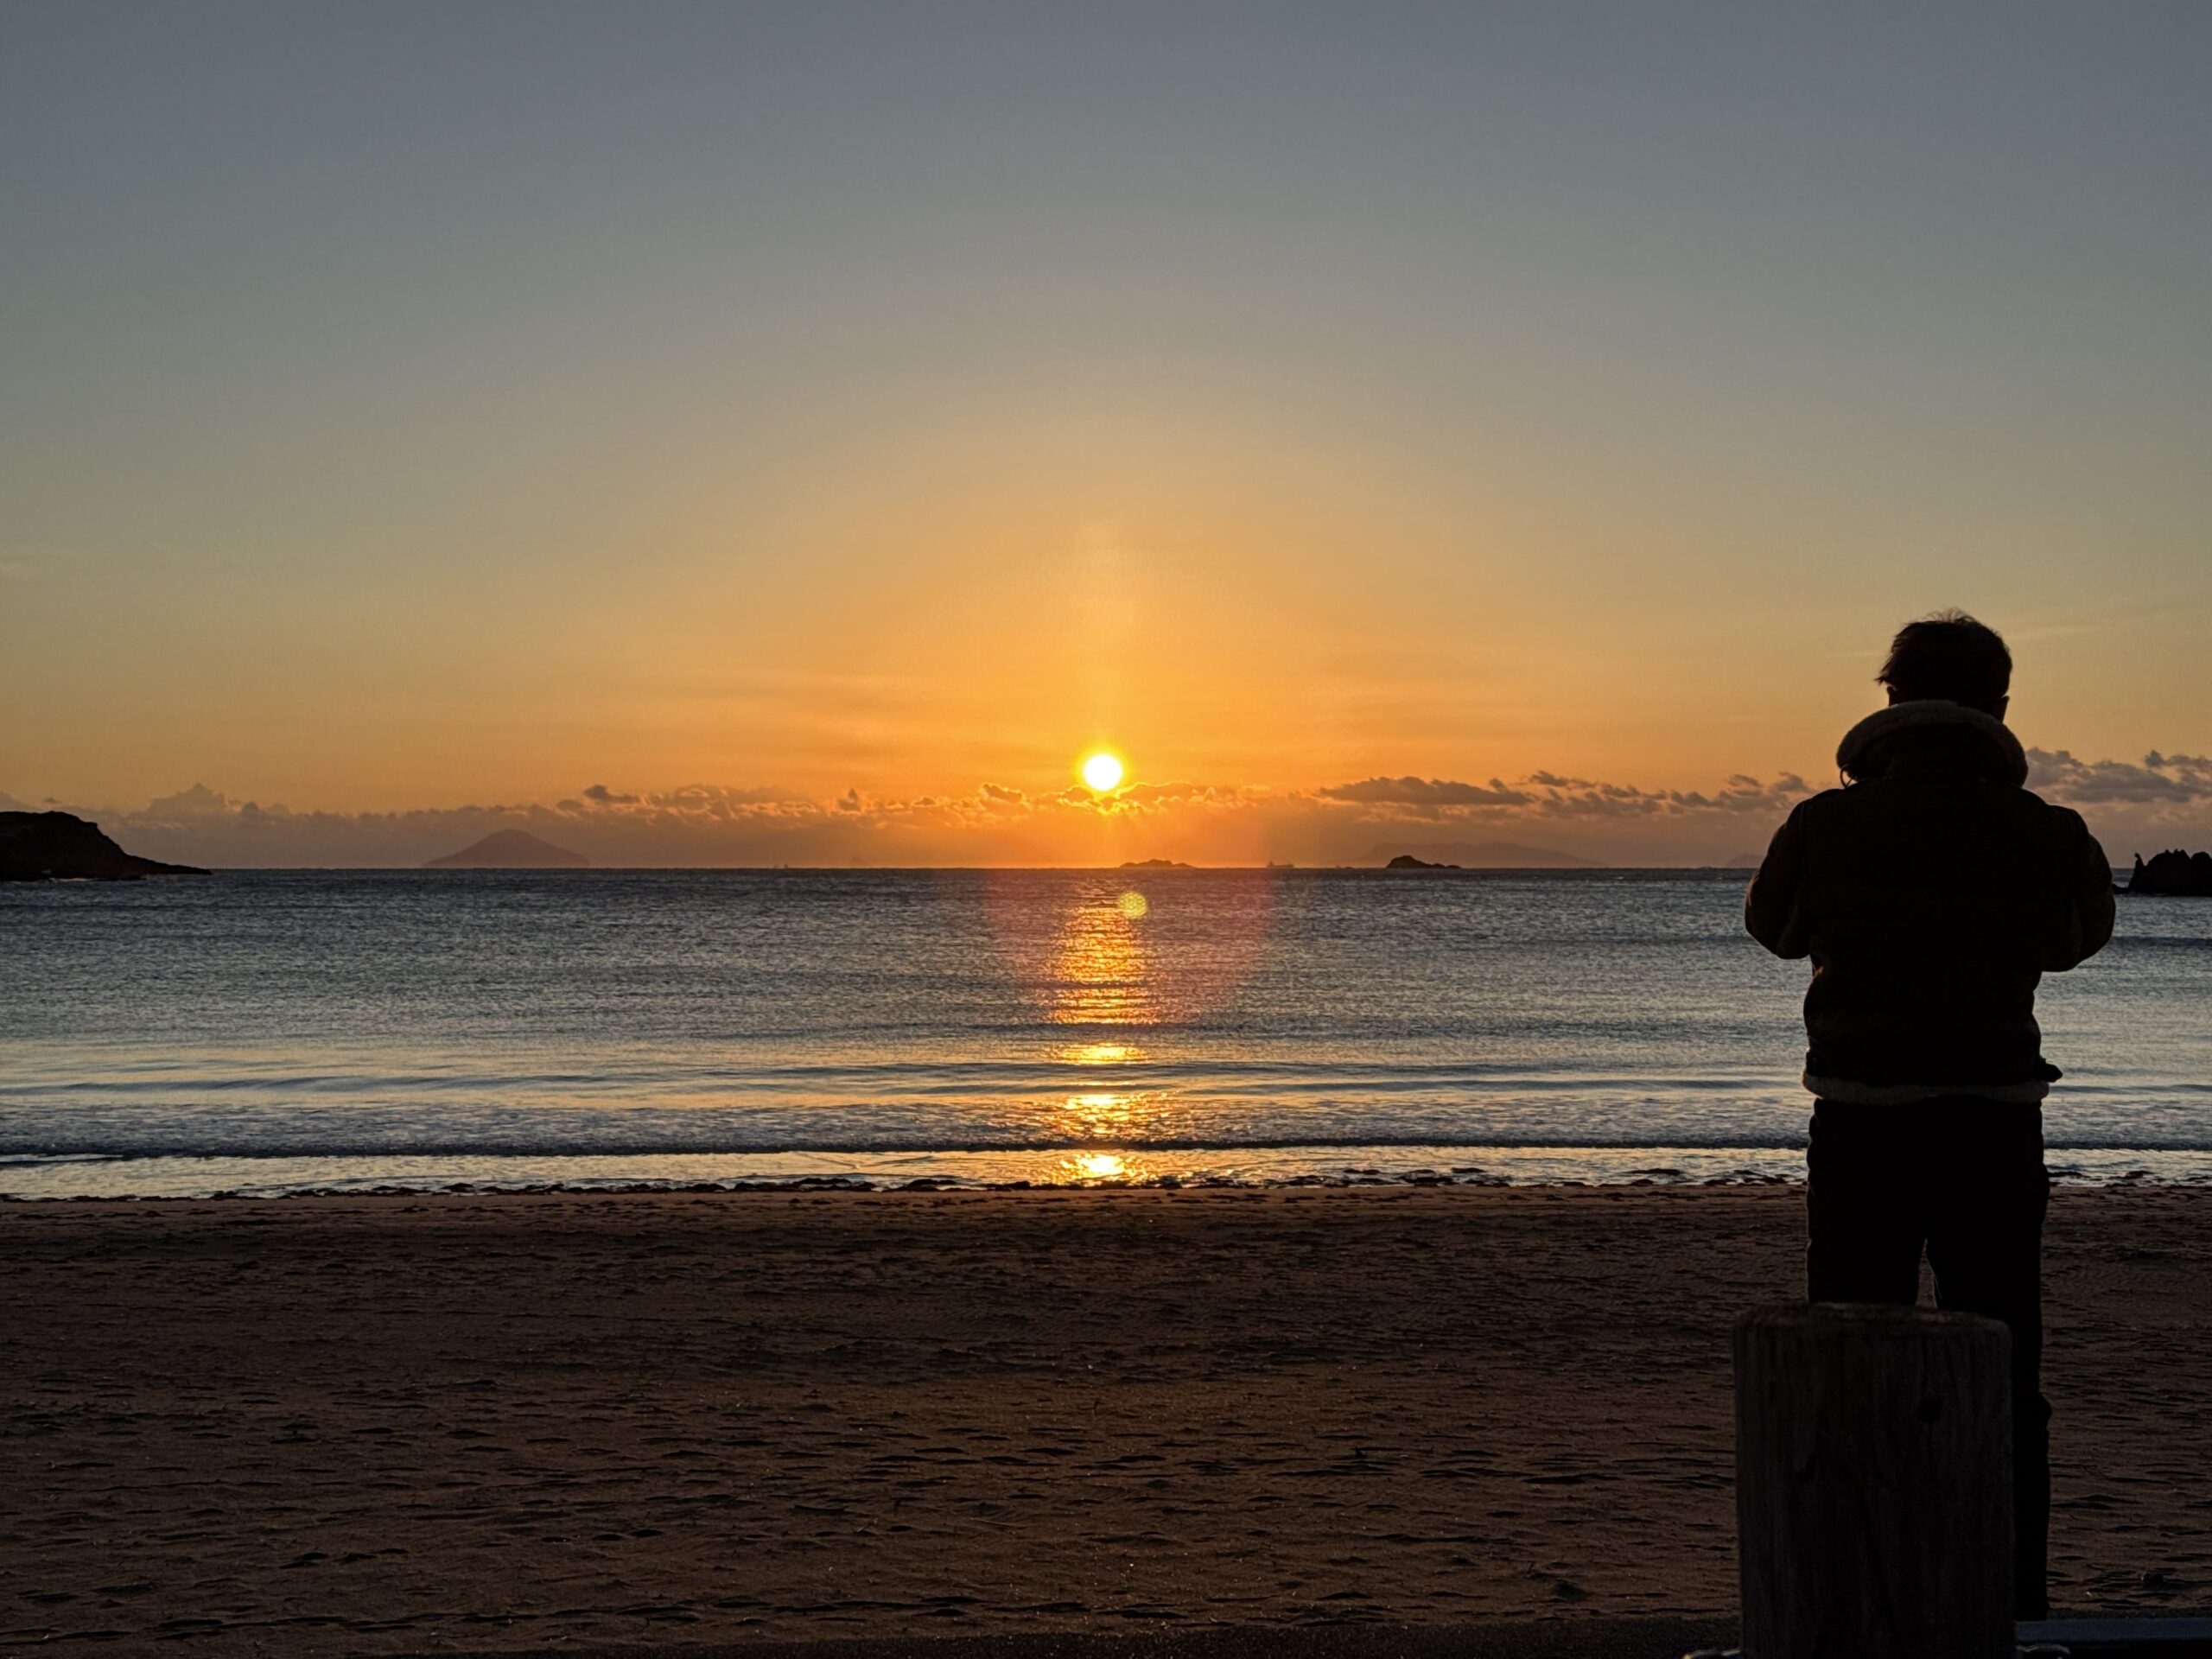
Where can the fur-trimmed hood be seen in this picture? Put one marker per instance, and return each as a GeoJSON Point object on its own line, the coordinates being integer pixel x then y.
{"type": "Point", "coordinates": [1869, 748]}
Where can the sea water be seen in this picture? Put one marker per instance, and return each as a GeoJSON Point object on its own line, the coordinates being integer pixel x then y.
{"type": "Point", "coordinates": [269, 1032]}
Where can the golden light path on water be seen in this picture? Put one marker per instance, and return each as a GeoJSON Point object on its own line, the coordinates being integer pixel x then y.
{"type": "Point", "coordinates": [1127, 957]}
{"type": "Point", "coordinates": [1100, 977]}
{"type": "Point", "coordinates": [1100, 1054]}
{"type": "Point", "coordinates": [1103, 970]}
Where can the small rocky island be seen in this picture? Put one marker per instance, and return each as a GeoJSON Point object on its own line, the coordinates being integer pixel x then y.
{"type": "Point", "coordinates": [1153, 864]}
{"type": "Point", "coordinates": [61, 847]}
{"type": "Point", "coordinates": [511, 849]}
{"type": "Point", "coordinates": [1407, 861]}
{"type": "Point", "coordinates": [1483, 856]}
{"type": "Point", "coordinates": [2172, 875]}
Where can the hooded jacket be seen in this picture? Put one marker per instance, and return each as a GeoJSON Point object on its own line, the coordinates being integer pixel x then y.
{"type": "Point", "coordinates": [1932, 893]}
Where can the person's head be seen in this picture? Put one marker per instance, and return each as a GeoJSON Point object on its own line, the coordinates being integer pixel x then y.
{"type": "Point", "coordinates": [1951, 656]}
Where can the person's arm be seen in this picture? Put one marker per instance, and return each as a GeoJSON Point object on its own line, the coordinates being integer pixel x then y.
{"type": "Point", "coordinates": [2090, 910]}
{"type": "Point", "coordinates": [1773, 903]}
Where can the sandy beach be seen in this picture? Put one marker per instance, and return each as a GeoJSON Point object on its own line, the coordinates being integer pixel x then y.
{"type": "Point", "coordinates": [401, 1424]}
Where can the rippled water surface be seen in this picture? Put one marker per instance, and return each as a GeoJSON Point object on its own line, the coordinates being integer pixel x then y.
{"type": "Point", "coordinates": [275, 1030]}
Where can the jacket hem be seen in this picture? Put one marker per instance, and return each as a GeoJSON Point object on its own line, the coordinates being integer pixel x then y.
{"type": "Point", "coordinates": [1846, 1092]}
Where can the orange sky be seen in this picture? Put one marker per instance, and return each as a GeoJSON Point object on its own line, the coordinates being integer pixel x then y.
{"type": "Point", "coordinates": [436, 410]}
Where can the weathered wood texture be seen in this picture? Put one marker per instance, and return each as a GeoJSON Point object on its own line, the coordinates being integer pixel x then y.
{"type": "Point", "coordinates": [1873, 1484]}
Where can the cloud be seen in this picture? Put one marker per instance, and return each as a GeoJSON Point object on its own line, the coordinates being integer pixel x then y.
{"type": "Point", "coordinates": [198, 802]}
{"type": "Point", "coordinates": [2161, 779]}
{"type": "Point", "coordinates": [1739, 796]}
{"type": "Point", "coordinates": [1417, 791]}
{"type": "Point", "coordinates": [1550, 795]}
{"type": "Point", "coordinates": [2162, 798]}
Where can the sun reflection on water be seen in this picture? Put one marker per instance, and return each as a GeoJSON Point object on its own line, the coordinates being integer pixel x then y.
{"type": "Point", "coordinates": [1103, 962]}
{"type": "Point", "coordinates": [1105, 1168]}
{"type": "Point", "coordinates": [1117, 949]}
{"type": "Point", "coordinates": [1101, 973]}
{"type": "Point", "coordinates": [1100, 1054]}
{"type": "Point", "coordinates": [1112, 1116]}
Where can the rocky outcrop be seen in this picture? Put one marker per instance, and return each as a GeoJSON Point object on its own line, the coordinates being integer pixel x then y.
{"type": "Point", "coordinates": [511, 849]}
{"type": "Point", "coordinates": [61, 847]}
{"type": "Point", "coordinates": [1407, 861]}
{"type": "Point", "coordinates": [1486, 856]}
{"type": "Point", "coordinates": [2173, 874]}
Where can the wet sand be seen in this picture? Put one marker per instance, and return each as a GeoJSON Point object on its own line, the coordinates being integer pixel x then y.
{"type": "Point", "coordinates": [410, 1424]}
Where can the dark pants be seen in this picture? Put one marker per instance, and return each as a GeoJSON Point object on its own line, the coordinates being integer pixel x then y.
{"type": "Point", "coordinates": [1964, 1178]}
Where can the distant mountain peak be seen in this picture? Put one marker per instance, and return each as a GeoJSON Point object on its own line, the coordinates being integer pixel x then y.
{"type": "Point", "coordinates": [510, 849]}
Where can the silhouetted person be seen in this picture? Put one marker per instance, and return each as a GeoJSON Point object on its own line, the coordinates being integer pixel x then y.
{"type": "Point", "coordinates": [1932, 892]}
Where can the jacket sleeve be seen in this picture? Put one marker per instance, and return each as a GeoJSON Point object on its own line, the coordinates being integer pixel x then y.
{"type": "Point", "coordinates": [2087, 925]}
{"type": "Point", "coordinates": [1773, 906]}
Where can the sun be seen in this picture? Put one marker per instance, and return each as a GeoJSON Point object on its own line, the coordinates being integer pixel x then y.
{"type": "Point", "coordinates": [1102, 772]}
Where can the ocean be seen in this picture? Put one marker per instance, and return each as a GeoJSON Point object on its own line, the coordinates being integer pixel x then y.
{"type": "Point", "coordinates": [272, 1032]}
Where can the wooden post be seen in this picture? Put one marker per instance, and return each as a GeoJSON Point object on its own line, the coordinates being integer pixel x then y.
{"type": "Point", "coordinates": [1873, 1484]}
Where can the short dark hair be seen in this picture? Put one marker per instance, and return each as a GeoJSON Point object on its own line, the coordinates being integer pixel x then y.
{"type": "Point", "coordinates": [1950, 657]}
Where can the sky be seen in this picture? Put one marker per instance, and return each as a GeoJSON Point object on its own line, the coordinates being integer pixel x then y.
{"type": "Point", "coordinates": [815, 427]}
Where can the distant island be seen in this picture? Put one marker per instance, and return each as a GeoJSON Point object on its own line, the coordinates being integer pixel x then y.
{"type": "Point", "coordinates": [1407, 861]}
{"type": "Point", "coordinates": [1488, 855]}
{"type": "Point", "coordinates": [2172, 875]}
{"type": "Point", "coordinates": [1153, 864]}
{"type": "Point", "coordinates": [61, 847]}
{"type": "Point", "coordinates": [511, 849]}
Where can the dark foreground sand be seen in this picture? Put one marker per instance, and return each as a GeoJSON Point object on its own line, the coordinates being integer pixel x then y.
{"type": "Point", "coordinates": [359, 1425]}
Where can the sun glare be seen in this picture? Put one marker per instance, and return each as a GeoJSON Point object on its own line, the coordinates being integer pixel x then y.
{"type": "Point", "coordinates": [1102, 772]}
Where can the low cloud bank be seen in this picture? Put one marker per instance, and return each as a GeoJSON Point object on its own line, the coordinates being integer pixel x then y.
{"type": "Point", "coordinates": [2161, 780]}
{"type": "Point", "coordinates": [2165, 800]}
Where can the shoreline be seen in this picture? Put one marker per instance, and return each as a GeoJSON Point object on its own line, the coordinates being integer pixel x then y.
{"type": "Point", "coordinates": [375, 1424]}
{"type": "Point", "coordinates": [32, 1178]}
